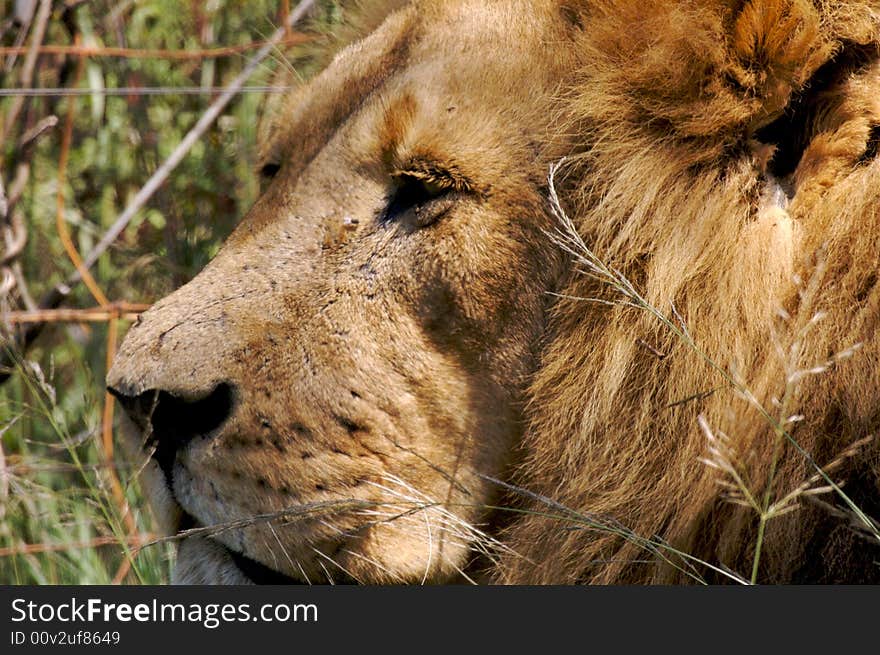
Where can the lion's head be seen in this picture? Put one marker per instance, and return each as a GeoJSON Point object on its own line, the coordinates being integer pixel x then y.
{"type": "Point", "coordinates": [407, 364]}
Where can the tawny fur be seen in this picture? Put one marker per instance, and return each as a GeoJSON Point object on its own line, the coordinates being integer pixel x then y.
{"type": "Point", "coordinates": [720, 154]}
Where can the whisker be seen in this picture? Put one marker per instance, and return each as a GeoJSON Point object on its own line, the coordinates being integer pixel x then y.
{"type": "Point", "coordinates": [303, 571]}
{"type": "Point", "coordinates": [271, 552]}
{"type": "Point", "coordinates": [465, 576]}
{"type": "Point", "coordinates": [337, 565]}
{"type": "Point", "coordinates": [326, 572]}
{"type": "Point", "coordinates": [372, 562]}
{"type": "Point", "coordinates": [281, 545]}
{"type": "Point", "coordinates": [338, 531]}
{"type": "Point", "coordinates": [430, 547]}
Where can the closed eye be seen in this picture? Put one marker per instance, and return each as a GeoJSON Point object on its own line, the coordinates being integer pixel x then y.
{"type": "Point", "coordinates": [412, 193]}
{"type": "Point", "coordinates": [421, 196]}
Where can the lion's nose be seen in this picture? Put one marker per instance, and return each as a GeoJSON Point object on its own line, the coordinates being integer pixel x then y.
{"type": "Point", "coordinates": [169, 422]}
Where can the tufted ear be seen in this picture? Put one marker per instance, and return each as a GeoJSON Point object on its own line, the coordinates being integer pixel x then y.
{"type": "Point", "coordinates": [832, 122]}
{"type": "Point", "coordinates": [709, 74]}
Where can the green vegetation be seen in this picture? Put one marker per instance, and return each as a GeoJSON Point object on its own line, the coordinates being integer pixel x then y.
{"type": "Point", "coordinates": [60, 519]}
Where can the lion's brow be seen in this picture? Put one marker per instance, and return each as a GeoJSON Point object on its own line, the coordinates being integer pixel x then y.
{"type": "Point", "coordinates": [332, 100]}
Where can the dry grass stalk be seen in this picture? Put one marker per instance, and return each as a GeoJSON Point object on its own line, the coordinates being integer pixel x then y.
{"type": "Point", "coordinates": [117, 310]}
{"type": "Point", "coordinates": [134, 540]}
{"type": "Point", "coordinates": [722, 456]}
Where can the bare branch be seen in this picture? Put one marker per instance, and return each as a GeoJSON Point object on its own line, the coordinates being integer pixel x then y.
{"type": "Point", "coordinates": [162, 173]}
{"type": "Point", "coordinates": [30, 61]}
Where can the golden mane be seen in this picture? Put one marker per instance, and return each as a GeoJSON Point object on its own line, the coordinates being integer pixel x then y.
{"type": "Point", "coordinates": [675, 188]}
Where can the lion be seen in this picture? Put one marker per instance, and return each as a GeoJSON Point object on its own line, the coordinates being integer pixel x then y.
{"type": "Point", "coordinates": [539, 292]}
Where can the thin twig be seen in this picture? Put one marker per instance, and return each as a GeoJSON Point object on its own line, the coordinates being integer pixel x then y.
{"type": "Point", "coordinates": [162, 173]}
{"type": "Point", "coordinates": [14, 466]}
{"type": "Point", "coordinates": [123, 310]}
{"type": "Point", "coordinates": [64, 92]}
{"type": "Point", "coordinates": [144, 53]}
{"type": "Point", "coordinates": [60, 222]}
{"type": "Point", "coordinates": [32, 135]}
{"type": "Point", "coordinates": [15, 234]}
{"type": "Point", "coordinates": [4, 205]}
{"type": "Point", "coordinates": [30, 60]}
{"type": "Point", "coordinates": [33, 549]}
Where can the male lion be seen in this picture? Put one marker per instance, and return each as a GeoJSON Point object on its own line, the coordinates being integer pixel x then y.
{"type": "Point", "coordinates": [421, 359]}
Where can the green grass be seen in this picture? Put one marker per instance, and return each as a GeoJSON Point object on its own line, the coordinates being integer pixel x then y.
{"type": "Point", "coordinates": [56, 502]}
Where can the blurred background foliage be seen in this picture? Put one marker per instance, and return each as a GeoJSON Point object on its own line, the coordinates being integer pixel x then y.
{"type": "Point", "coordinates": [60, 521]}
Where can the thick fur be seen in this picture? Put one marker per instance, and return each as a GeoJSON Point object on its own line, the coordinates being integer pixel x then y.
{"type": "Point", "coordinates": [720, 155]}
{"type": "Point", "coordinates": [672, 189]}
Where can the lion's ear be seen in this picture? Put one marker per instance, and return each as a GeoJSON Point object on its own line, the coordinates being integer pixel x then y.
{"type": "Point", "coordinates": [706, 72]}
{"type": "Point", "coordinates": [271, 111]}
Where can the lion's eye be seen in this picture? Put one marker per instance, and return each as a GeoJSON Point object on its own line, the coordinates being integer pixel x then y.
{"type": "Point", "coordinates": [418, 200]}
{"type": "Point", "coordinates": [269, 171]}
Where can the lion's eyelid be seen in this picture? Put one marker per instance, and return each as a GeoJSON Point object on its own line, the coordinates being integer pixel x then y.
{"type": "Point", "coordinates": [429, 172]}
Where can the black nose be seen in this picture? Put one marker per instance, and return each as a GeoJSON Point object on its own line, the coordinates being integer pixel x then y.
{"type": "Point", "coordinates": [169, 422]}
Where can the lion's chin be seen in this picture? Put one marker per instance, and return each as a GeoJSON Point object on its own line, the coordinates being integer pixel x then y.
{"type": "Point", "coordinates": [203, 561]}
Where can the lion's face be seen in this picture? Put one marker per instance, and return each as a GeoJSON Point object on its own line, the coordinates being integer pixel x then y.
{"type": "Point", "coordinates": [357, 353]}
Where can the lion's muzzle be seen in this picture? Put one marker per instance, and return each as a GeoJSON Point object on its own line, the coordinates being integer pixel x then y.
{"type": "Point", "coordinates": [169, 421]}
